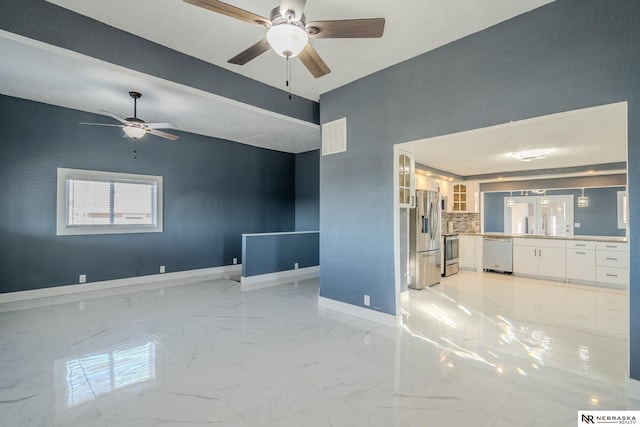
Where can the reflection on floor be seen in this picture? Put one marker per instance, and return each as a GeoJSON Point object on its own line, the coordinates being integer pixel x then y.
{"type": "Point", "coordinates": [479, 349]}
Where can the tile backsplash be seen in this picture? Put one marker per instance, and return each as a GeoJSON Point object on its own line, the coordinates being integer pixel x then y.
{"type": "Point", "coordinates": [462, 222]}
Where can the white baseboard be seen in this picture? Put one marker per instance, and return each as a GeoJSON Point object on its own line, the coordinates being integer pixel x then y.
{"type": "Point", "coordinates": [211, 273]}
{"type": "Point", "coordinates": [633, 388]}
{"type": "Point", "coordinates": [360, 312]}
{"type": "Point", "coordinates": [251, 283]}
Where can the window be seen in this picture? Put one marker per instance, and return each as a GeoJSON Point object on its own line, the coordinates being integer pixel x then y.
{"type": "Point", "coordinates": [93, 202]}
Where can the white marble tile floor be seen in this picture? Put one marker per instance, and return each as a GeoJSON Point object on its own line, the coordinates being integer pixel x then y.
{"type": "Point", "coordinates": [478, 349]}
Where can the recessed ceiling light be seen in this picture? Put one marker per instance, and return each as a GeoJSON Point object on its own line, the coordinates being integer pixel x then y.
{"type": "Point", "coordinates": [529, 155]}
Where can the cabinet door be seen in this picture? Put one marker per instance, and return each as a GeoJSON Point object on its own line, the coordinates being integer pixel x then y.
{"type": "Point", "coordinates": [551, 262]}
{"type": "Point", "coordinates": [525, 260]}
{"type": "Point", "coordinates": [406, 168]}
{"type": "Point", "coordinates": [581, 264]}
{"type": "Point", "coordinates": [467, 252]}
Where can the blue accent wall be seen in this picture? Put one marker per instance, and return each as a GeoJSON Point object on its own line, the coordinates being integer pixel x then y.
{"type": "Point", "coordinates": [270, 253]}
{"type": "Point", "coordinates": [493, 212]}
{"type": "Point", "coordinates": [214, 190]}
{"type": "Point", "coordinates": [599, 219]}
{"type": "Point", "coordinates": [307, 184]}
{"type": "Point", "coordinates": [566, 55]}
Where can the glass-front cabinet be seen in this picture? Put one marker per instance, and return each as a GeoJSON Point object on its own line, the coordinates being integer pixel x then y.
{"type": "Point", "coordinates": [406, 179]}
{"type": "Point", "coordinates": [459, 195]}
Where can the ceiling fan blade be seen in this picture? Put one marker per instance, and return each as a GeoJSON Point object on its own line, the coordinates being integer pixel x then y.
{"type": "Point", "coordinates": [100, 124]}
{"type": "Point", "coordinates": [311, 59]}
{"type": "Point", "coordinates": [162, 134]}
{"type": "Point", "coordinates": [117, 117]}
{"type": "Point", "coordinates": [346, 28]}
{"type": "Point", "coordinates": [231, 11]}
{"type": "Point", "coordinates": [167, 125]}
{"type": "Point", "coordinates": [254, 51]}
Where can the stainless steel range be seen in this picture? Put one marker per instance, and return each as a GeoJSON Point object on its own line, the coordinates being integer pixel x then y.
{"type": "Point", "coordinates": [451, 254]}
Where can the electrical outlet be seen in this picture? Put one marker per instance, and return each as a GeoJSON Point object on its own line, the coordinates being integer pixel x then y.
{"type": "Point", "coordinates": [83, 278]}
{"type": "Point", "coordinates": [235, 261]}
{"type": "Point", "coordinates": [295, 266]}
{"type": "Point", "coordinates": [162, 269]}
{"type": "Point", "coordinates": [367, 300]}
{"type": "Point", "coordinates": [576, 225]}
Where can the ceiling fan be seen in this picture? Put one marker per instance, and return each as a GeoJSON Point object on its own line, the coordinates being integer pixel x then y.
{"type": "Point", "coordinates": [289, 33]}
{"type": "Point", "coordinates": [136, 128]}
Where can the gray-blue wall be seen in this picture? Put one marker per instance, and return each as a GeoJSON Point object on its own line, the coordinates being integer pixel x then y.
{"type": "Point", "coordinates": [214, 190]}
{"type": "Point", "coordinates": [271, 253]}
{"type": "Point", "coordinates": [307, 183]}
{"type": "Point", "coordinates": [566, 55]}
{"type": "Point", "coordinates": [600, 218]}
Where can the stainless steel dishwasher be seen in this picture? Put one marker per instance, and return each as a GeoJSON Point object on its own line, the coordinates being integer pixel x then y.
{"type": "Point", "coordinates": [497, 254]}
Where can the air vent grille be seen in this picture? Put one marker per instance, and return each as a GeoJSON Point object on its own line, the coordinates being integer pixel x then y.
{"type": "Point", "coordinates": [334, 137]}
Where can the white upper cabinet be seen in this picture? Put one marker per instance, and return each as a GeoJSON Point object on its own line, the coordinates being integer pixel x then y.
{"type": "Point", "coordinates": [406, 173]}
{"type": "Point", "coordinates": [463, 197]}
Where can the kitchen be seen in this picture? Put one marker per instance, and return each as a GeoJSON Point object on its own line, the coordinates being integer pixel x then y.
{"type": "Point", "coordinates": [558, 215]}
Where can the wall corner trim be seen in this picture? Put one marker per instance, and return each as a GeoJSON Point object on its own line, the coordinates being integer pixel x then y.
{"type": "Point", "coordinates": [157, 279]}
{"type": "Point", "coordinates": [632, 387]}
{"type": "Point", "coordinates": [360, 312]}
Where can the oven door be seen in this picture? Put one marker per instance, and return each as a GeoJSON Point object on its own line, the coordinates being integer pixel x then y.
{"type": "Point", "coordinates": [451, 255]}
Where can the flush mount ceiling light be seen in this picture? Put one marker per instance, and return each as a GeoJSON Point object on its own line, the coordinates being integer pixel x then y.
{"type": "Point", "coordinates": [529, 155]}
{"type": "Point", "coordinates": [583, 201]}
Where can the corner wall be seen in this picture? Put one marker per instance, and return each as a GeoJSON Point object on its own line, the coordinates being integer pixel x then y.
{"type": "Point", "coordinates": [567, 55]}
{"type": "Point", "coordinates": [214, 190]}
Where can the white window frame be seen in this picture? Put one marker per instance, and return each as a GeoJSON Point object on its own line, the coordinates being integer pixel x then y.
{"type": "Point", "coordinates": [65, 229]}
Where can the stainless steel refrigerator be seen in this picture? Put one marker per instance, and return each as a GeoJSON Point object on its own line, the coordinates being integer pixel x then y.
{"type": "Point", "coordinates": [424, 240]}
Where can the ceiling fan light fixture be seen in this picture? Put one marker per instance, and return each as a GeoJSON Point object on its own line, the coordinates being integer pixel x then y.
{"type": "Point", "coordinates": [287, 40]}
{"type": "Point", "coordinates": [134, 132]}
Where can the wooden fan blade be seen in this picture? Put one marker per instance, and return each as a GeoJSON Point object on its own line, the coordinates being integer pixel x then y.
{"type": "Point", "coordinates": [162, 134]}
{"type": "Point", "coordinates": [100, 124]}
{"type": "Point", "coordinates": [346, 28]}
{"type": "Point", "coordinates": [254, 51]}
{"type": "Point", "coordinates": [231, 11]}
{"type": "Point", "coordinates": [311, 59]}
{"type": "Point", "coordinates": [167, 125]}
{"type": "Point", "coordinates": [117, 117]}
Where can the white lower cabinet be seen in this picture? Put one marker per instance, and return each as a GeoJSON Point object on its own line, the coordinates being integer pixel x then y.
{"type": "Point", "coordinates": [471, 253]}
{"type": "Point", "coordinates": [581, 261]}
{"type": "Point", "coordinates": [612, 264]}
{"type": "Point", "coordinates": [539, 257]}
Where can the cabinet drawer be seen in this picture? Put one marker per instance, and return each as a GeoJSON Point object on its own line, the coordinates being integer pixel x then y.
{"type": "Point", "coordinates": [612, 259]}
{"type": "Point", "coordinates": [613, 275]}
{"type": "Point", "coordinates": [539, 243]}
{"type": "Point", "coordinates": [612, 246]}
{"type": "Point", "coordinates": [579, 244]}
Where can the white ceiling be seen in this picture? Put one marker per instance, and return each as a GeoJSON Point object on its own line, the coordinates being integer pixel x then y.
{"type": "Point", "coordinates": [586, 137]}
{"type": "Point", "coordinates": [49, 74]}
{"type": "Point", "coordinates": [412, 27]}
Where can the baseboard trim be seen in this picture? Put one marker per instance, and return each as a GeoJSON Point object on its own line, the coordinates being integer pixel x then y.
{"type": "Point", "coordinates": [360, 312]}
{"type": "Point", "coordinates": [210, 273]}
{"type": "Point", "coordinates": [252, 283]}
{"type": "Point", "coordinates": [632, 388]}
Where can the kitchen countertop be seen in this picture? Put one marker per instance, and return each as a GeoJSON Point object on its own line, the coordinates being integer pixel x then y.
{"type": "Point", "coordinates": [538, 236]}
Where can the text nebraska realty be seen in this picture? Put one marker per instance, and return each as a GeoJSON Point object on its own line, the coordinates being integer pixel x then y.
{"type": "Point", "coordinates": [609, 419]}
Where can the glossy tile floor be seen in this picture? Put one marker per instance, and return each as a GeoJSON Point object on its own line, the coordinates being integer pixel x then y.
{"type": "Point", "coordinates": [479, 349]}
